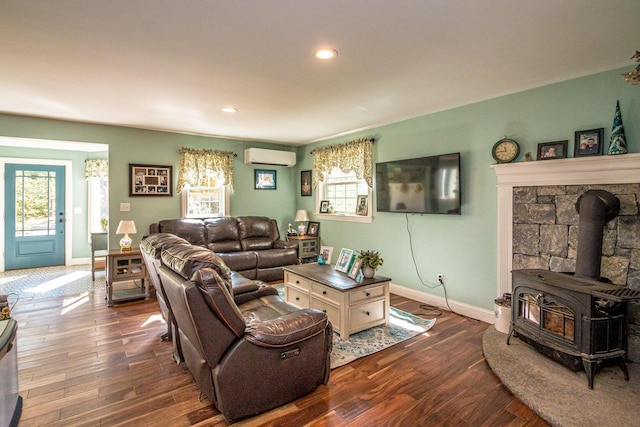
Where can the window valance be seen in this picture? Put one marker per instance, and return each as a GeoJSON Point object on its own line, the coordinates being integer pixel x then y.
{"type": "Point", "coordinates": [194, 165]}
{"type": "Point", "coordinates": [356, 156]}
{"type": "Point", "coordinates": [96, 168]}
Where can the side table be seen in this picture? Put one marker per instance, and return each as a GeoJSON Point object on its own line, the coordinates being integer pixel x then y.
{"type": "Point", "coordinates": [125, 266]}
{"type": "Point", "coordinates": [308, 247]}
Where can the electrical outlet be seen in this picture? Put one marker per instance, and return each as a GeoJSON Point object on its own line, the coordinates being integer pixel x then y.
{"type": "Point", "coordinates": [440, 277]}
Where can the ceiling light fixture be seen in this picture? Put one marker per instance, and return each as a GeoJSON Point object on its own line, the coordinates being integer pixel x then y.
{"type": "Point", "coordinates": [326, 53]}
{"type": "Point", "coordinates": [230, 109]}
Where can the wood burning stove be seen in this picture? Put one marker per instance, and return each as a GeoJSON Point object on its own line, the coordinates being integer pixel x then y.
{"type": "Point", "coordinates": [577, 319]}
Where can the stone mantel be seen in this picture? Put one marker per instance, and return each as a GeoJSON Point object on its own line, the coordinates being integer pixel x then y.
{"type": "Point", "coordinates": [618, 169]}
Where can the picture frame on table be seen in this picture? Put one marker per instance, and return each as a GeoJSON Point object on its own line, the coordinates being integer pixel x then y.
{"type": "Point", "coordinates": [305, 183]}
{"type": "Point", "coordinates": [552, 150]}
{"type": "Point", "coordinates": [361, 206]}
{"type": "Point", "coordinates": [354, 271]}
{"type": "Point", "coordinates": [324, 206]}
{"type": "Point", "coordinates": [150, 180]}
{"type": "Point", "coordinates": [589, 143]}
{"type": "Point", "coordinates": [344, 260]}
{"type": "Point", "coordinates": [313, 229]}
{"type": "Point", "coordinates": [265, 179]}
{"type": "Point", "coordinates": [326, 252]}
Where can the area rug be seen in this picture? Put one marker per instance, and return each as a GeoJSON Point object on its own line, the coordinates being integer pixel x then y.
{"type": "Point", "coordinates": [559, 395]}
{"type": "Point", "coordinates": [401, 327]}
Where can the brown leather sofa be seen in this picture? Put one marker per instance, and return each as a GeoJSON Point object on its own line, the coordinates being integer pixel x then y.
{"type": "Point", "coordinates": [250, 356]}
{"type": "Point", "coordinates": [249, 245]}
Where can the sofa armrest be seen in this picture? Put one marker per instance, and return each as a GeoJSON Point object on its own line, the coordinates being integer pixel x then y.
{"type": "Point", "coordinates": [282, 244]}
{"type": "Point", "coordinates": [287, 329]}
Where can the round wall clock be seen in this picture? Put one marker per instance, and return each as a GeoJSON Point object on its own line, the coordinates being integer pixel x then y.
{"type": "Point", "coordinates": [506, 150]}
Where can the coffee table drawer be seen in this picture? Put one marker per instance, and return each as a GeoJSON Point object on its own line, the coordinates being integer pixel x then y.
{"type": "Point", "coordinates": [359, 295]}
{"type": "Point", "coordinates": [365, 315]}
{"type": "Point", "coordinates": [324, 292]}
{"type": "Point", "coordinates": [298, 281]}
{"type": "Point", "coordinates": [298, 298]}
{"type": "Point", "coordinates": [333, 312]}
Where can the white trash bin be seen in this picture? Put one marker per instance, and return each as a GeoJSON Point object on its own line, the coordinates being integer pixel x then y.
{"type": "Point", "coordinates": [502, 310]}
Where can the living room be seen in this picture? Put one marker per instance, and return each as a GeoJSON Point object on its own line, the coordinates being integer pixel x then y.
{"type": "Point", "coordinates": [461, 247]}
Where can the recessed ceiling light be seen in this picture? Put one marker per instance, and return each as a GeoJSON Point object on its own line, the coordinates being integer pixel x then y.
{"type": "Point", "coordinates": [230, 109]}
{"type": "Point", "coordinates": [325, 53]}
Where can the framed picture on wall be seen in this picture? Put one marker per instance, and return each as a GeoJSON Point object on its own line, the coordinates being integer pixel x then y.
{"type": "Point", "coordinates": [265, 179]}
{"type": "Point", "coordinates": [150, 180]}
{"type": "Point", "coordinates": [305, 183]}
{"type": "Point", "coordinates": [589, 143]}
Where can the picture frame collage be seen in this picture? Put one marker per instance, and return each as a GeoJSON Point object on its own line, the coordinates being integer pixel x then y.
{"type": "Point", "coordinates": [150, 180]}
{"type": "Point", "coordinates": [349, 264]}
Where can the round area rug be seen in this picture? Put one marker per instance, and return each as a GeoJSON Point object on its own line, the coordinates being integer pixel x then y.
{"type": "Point", "coordinates": [560, 395]}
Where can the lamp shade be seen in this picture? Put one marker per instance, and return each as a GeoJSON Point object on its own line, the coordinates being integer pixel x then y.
{"type": "Point", "coordinates": [301, 215]}
{"type": "Point", "coordinates": [125, 227]}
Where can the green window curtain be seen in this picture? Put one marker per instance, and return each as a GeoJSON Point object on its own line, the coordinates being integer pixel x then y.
{"type": "Point", "coordinates": [356, 156]}
{"type": "Point", "coordinates": [196, 165]}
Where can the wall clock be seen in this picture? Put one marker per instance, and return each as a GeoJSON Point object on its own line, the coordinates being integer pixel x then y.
{"type": "Point", "coordinates": [506, 150]}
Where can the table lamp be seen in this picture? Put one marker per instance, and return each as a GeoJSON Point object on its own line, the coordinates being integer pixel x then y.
{"type": "Point", "coordinates": [302, 216]}
{"type": "Point", "coordinates": [125, 227]}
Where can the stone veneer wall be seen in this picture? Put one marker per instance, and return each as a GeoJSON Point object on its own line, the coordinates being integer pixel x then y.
{"type": "Point", "coordinates": [545, 235]}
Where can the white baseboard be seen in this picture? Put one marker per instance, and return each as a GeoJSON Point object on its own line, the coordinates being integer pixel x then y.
{"type": "Point", "coordinates": [482, 314]}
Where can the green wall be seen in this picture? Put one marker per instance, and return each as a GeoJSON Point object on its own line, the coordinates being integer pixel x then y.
{"type": "Point", "coordinates": [463, 247]}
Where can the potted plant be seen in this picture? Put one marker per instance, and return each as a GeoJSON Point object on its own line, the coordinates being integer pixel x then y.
{"type": "Point", "coordinates": [371, 260]}
{"type": "Point", "coordinates": [104, 222]}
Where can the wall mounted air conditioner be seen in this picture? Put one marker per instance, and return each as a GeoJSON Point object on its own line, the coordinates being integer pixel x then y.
{"type": "Point", "coordinates": [261, 156]}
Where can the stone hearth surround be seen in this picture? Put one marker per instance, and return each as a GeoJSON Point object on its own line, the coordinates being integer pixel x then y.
{"type": "Point", "coordinates": [537, 221]}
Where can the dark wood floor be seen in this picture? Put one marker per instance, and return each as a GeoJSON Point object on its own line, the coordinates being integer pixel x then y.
{"type": "Point", "coordinates": [84, 364]}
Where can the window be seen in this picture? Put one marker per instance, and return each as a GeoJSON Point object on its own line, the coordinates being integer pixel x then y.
{"type": "Point", "coordinates": [96, 172]}
{"type": "Point", "coordinates": [341, 190]}
{"type": "Point", "coordinates": [98, 204]}
{"type": "Point", "coordinates": [205, 179]}
{"type": "Point", "coordinates": [210, 199]}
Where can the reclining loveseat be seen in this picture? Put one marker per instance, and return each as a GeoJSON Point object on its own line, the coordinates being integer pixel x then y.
{"type": "Point", "coordinates": [247, 349]}
{"type": "Point", "coordinates": [249, 245]}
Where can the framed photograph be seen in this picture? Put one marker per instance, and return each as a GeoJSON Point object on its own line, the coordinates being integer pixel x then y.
{"type": "Point", "coordinates": [313, 230]}
{"type": "Point", "coordinates": [324, 206]}
{"type": "Point", "coordinates": [150, 180]}
{"type": "Point", "coordinates": [344, 260]}
{"type": "Point", "coordinates": [326, 252]}
{"type": "Point", "coordinates": [361, 207]}
{"type": "Point", "coordinates": [552, 150]}
{"type": "Point", "coordinates": [355, 268]}
{"type": "Point", "coordinates": [589, 143]}
{"type": "Point", "coordinates": [265, 179]}
{"type": "Point", "coordinates": [305, 183]}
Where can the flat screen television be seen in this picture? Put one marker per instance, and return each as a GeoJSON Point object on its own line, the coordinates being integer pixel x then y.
{"type": "Point", "coordinates": [424, 185]}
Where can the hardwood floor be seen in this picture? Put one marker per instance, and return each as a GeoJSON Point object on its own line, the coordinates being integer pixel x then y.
{"type": "Point", "coordinates": [84, 364]}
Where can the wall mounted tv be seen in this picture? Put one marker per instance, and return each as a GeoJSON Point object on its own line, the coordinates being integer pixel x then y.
{"type": "Point", "coordinates": [425, 185]}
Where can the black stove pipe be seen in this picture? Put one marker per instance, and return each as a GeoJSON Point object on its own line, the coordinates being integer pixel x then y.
{"type": "Point", "coordinates": [596, 208]}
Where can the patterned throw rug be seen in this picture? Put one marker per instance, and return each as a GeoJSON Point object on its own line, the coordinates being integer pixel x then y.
{"type": "Point", "coordinates": [401, 327]}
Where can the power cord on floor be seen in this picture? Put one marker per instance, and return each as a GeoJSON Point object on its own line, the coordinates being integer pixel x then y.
{"type": "Point", "coordinates": [431, 310]}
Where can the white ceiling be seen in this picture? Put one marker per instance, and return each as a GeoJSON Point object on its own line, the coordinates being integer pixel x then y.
{"type": "Point", "coordinates": [173, 64]}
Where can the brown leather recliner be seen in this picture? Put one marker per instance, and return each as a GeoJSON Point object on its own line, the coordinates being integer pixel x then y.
{"type": "Point", "coordinates": [248, 357]}
{"type": "Point", "coordinates": [151, 248]}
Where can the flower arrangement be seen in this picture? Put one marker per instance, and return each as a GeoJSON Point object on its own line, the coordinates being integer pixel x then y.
{"type": "Point", "coordinates": [371, 259]}
{"type": "Point", "coordinates": [104, 223]}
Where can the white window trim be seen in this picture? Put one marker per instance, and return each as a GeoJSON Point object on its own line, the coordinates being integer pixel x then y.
{"type": "Point", "coordinates": [226, 208]}
{"type": "Point", "coordinates": [365, 219]}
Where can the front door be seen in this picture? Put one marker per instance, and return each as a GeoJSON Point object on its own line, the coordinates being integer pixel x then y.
{"type": "Point", "coordinates": [34, 216]}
